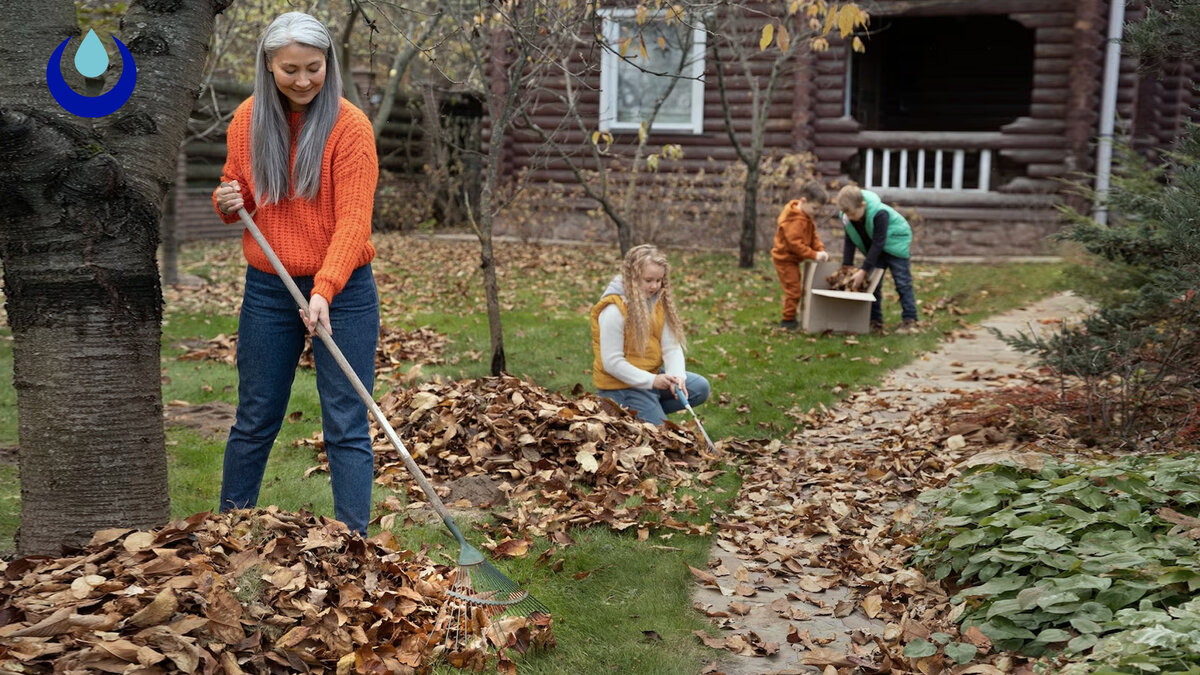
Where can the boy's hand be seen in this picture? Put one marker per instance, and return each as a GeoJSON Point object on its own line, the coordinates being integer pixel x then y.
{"type": "Point", "coordinates": [859, 280]}
{"type": "Point", "coordinates": [822, 256]}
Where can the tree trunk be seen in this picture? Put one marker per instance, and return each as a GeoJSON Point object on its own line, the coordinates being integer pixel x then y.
{"type": "Point", "coordinates": [749, 218]}
{"type": "Point", "coordinates": [80, 202]}
{"type": "Point", "coordinates": [399, 67]}
{"type": "Point", "coordinates": [349, 86]}
{"type": "Point", "coordinates": [487, 254]}
{"type": "Point", "coordinates": [491, 288]}
{"type": "Point", "coordinates": [624, 235]}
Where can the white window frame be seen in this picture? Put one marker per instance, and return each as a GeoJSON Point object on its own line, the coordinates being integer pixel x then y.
{"type": "Point", "coordinates": [611, 61]}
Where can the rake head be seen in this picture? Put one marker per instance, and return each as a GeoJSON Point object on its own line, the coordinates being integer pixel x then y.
{"type": "Point", "coordinates": [485, 610]}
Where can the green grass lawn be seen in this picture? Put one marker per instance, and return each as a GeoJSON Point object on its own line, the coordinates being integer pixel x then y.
{"type": "Point", "coordinates": [620, 605]}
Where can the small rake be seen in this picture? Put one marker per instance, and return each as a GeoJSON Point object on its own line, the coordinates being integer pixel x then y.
{"type": "Point", "coordinates": [683, 399]}
{"type": "Point", "coordinates": [481, 594]}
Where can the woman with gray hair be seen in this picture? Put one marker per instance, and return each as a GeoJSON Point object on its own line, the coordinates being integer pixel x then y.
{"type": "Point", "coordinates": [302, 161]}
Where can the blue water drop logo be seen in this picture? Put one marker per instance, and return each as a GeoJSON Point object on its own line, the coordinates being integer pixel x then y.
{"type": "Point", "coordinates": [91, 60]}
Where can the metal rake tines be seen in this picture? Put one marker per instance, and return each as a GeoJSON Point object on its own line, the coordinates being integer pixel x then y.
{"type": "Point", "coordinates": [484, 609]}
{"type": "Point", "coordinates": [473, 622]}
{"type": "Point", "coordinates": [484, 582]}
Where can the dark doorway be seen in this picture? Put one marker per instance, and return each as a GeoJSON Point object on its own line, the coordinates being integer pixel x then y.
{"type": "Point", "coordinates": [945, 73]}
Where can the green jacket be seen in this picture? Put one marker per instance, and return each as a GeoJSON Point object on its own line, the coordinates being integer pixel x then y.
{"type": "Point", "coordinates": [899, 233]}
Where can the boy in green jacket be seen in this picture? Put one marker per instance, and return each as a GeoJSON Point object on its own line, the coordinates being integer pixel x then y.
{"type": "Point", "coordinates": [883, 236]}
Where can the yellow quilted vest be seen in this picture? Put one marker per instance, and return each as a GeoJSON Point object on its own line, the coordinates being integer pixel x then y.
{"type": "Point", "coordinates": [650, 361]}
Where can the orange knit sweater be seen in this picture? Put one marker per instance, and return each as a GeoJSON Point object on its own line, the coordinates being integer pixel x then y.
{"type": "Point", "coordinates": [329, 236]}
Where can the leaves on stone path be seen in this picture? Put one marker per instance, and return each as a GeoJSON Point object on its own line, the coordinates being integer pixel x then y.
{"type": "Point", "coordinates": [833, 506]}
{"type": "Point", "coordinates": [246, 591]}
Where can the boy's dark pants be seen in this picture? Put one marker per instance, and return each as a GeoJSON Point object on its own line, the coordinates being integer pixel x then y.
{"type": "Point", "coordinates": [902, 277]}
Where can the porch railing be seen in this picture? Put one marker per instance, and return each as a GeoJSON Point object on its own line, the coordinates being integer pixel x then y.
{"type": "Point", "coordinates": [912, 160]}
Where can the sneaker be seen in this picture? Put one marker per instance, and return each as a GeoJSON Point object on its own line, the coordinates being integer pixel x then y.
{"type": "Point", "coordinates": [877, 327]}
{"type": "Point", "coordinates": [789, 324]}
{"type": "Point", "coordinates": [908, 327]}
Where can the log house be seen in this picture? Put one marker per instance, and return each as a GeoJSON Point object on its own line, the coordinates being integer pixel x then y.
{"type": "Point", "coordinates": [977, 118]}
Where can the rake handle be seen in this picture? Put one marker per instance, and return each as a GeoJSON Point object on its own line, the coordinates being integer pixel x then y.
{"type": "Point", "coordinates": [348, 371]}
{"type": "Point", "coordinates": [683, 399]}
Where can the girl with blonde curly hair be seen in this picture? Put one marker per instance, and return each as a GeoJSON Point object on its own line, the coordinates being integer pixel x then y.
{"type": "Point", "coordinates": [638, 340]}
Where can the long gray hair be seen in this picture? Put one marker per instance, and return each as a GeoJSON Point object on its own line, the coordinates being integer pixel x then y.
{"type": "Point", "coordinates": [270, 141]}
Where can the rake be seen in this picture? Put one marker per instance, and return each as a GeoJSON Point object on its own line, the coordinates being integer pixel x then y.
{"type": "Point", "coordinates": [481, 594]}
{"type": "Point", "coordinates": [683, 399]}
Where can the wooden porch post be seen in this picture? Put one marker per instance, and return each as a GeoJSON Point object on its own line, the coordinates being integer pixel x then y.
{"type": "Point", "coordinates": [1083, 90]}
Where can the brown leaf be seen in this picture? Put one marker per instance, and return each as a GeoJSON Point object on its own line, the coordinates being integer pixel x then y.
{"type": "Point", "coordinates": [932, 665]}
{"type": "Point", "coordinates": [872, 605]}
{"type": "Point", "coordinates": [707, 578]}
{"type": "Point", "coordinates": [103, 537]}
{"type": "Point", "coordinates": [139, 541]}
{"type": "Point", "coordinates": [1174, 517]}
{"type": "Point", "coordinates": [823, 656]}
{"type": "Point", "coordinates": [224, 614]}
{"type": "Point", "coordinates": [120, 648]}
{"type": "Point", "coordinates": [294, 637]}
{"type": "Point", "coordinates": [977, 638]}
{"type": "Point", "coordinates": [844, 608]}
{"type": "Point", "coordinates": [710, 640]}
{"type": "Point", "coordinates": [512, 548]}
{"type": "Point", "coordinates": [184, 654]}
{"type": "Point", "coordinates": [158, 611]}
{"type": "Point", "coordinates": [57, 623]}
{"type": "Point", "coordinates": [230, 665]}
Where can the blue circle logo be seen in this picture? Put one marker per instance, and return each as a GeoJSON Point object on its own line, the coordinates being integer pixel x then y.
{"type": "Point", "coordinates": [91, 60]}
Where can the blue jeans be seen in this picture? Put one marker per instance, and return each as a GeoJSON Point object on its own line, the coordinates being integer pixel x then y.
{"type": "Point", "coordinates": [653, 405]}
{"type": "Point", "coordinates": [902, 277]}
{"type": "Point", "coordinates": [271, 337]}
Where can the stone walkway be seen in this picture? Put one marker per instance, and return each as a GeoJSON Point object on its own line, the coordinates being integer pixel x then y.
{"type": "Point", "coordinates": [970, 361]}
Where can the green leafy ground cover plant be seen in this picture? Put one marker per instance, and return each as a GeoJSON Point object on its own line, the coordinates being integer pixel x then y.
{"type": "Point", "coordinates": [1087, 559]}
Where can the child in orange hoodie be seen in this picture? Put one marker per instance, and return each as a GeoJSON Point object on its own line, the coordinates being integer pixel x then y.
{"type": "Point", "coordinates": [796, 240]}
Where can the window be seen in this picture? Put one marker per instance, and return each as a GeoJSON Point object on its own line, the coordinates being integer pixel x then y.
{"type": "Point", "coordinates": [660, 58]}
{"type": "Point", "coordinates": [943, 73]}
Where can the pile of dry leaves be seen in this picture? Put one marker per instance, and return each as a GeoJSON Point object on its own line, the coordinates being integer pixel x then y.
{"type": "Point", "coordinates": [396, 346]}
{"type": "Point", "coordinates": [558, 462]}
{"type": "Point", "coordinates": [250, 591]}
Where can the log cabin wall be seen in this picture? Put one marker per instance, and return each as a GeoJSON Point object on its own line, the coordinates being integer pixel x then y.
{"type": "Point", "coordinates": [202, 158]}
{"type": "Point", "coordinates": [1165, 101]}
